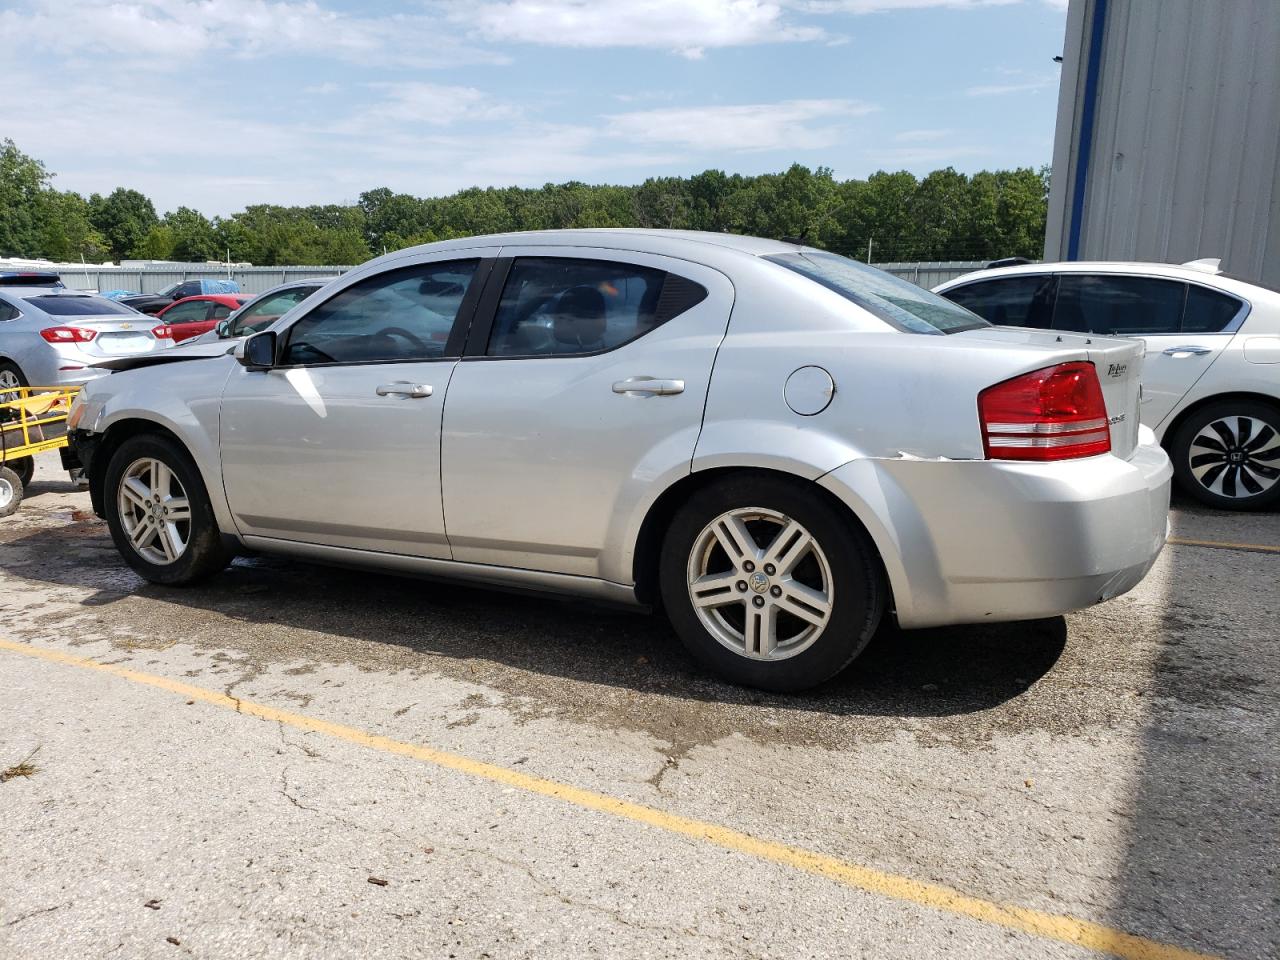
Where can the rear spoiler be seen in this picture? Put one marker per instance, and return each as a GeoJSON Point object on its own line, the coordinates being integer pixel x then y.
{"type": "Point", "coordinates": [30, 279]}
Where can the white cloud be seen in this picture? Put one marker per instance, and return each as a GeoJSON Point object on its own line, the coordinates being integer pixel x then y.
{"type": "Point", "coordinates": [1001, 89]}
{"type": "Point", "coordinates": [921, 136]}
{"type": "Point", "coordinates": [170, 33]}
{"type": "Point", "coordinates": [889, 6]}
{"type": "Point", "coordinates": [793, 124]}
{"type": "Point", "coordinates": [686, 26]}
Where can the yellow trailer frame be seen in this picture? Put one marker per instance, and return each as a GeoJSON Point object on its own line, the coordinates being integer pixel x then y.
{"type": "Point", "coordinates": [32, 420]}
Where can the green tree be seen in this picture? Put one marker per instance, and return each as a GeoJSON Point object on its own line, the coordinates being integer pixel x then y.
{"type": "Point", "coordinates": [124, 217]}
{"type": "Point", "coordinates": [65, 231]}
{"type": "Point", "coordinates": [22, 179]}
{"type": "Point", "coordinates": [194, 237]}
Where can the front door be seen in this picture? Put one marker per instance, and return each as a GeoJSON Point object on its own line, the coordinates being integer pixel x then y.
{"type": "Point", "coordinates": [339, 444]}
{"type": "Point", "coordinates": [582, 392]}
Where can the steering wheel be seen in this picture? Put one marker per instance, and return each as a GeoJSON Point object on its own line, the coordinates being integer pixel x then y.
{"type": "Point", "coordinates": [414, 341]}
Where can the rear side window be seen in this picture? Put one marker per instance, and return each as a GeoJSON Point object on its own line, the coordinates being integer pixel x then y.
{"type": "Point", "coordinates": [1116, 305]}
{"type": "Point", "coordinates": [1208, 311]}
{"type": "Point", "coordinates": [64, 306]}
{"type": "Point", "coordinates": [901, 304]}
{"type": "Point", "coordinates": [1025, 301]}
{"type": "Point", "coordinates": [557, 307]}
{"type": "Point", "coordinates": [404, 314]}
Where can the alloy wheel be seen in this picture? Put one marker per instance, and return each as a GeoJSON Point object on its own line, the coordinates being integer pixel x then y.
{"type": "Point", "coordinates": [154, 511]}
{"type": "Point", "coordinates": [6, 494]}
{"type": "Point", "coordinates": [1236, 457]}
{"type": "Point", "coordinates": [760, 584]}
{"type": "Point", "coordinates": [9, 380]}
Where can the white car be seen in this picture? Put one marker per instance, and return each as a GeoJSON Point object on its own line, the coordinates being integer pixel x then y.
{"type": "Point", "coordinates": [779, 445]}
{"type": "Point", "coordinates": [1211, 377]}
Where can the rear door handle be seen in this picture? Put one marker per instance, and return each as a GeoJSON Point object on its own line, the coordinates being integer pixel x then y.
{"type": "Point", "coordinates": [1192, 350]}
{"type": "Point", "coordinates": [402, 388]}
{"type": "Point", "coordinates": [648, 386]}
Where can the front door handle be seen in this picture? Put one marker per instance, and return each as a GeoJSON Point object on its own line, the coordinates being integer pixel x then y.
{"type": "Point", "coordinates": [1192, 350]}
{"type": "Point", "coordinates": [648, 386]}
{"type": "Point", "coordinates": [402, 388]}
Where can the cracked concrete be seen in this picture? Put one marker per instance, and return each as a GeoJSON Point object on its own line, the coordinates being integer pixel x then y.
{"type": "Point", "coordinates": [1119, 766]}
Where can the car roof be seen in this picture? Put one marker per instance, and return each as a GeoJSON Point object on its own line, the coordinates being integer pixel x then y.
{"type": "Point", "coordinates": [1201, 274]}
{"type": "Point", "coordinates": [621, 238]}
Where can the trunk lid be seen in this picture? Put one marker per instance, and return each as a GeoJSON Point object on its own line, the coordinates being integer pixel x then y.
{"type": "Point", "coordinates": [1118, 361]}
{"type": "Point", "coordinates": [117, 336]}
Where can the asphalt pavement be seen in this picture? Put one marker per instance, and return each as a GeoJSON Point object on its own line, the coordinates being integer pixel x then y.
{"type": "Point", "coordinates": [297, 761]}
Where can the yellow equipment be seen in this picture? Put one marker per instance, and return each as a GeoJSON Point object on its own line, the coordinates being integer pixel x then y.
{"type": "Point", "coordinates": [32, 420]}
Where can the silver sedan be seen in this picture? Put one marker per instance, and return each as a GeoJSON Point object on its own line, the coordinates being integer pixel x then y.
{"type": "Point", "coordinates": [781, 447]}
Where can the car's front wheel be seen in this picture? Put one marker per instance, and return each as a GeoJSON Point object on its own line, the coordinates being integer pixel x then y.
{"type": "Point", "coordinates": [159, 513]}
{"type": "Point", "coordinates": [1227, 455]}
{"type": "Point", "coordinates": [768, 584]}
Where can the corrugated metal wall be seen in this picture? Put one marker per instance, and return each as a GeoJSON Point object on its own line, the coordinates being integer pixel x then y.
{"type": "Point", "coordinates": [1185, 160]}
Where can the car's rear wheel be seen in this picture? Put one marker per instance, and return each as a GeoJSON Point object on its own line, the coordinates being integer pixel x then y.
{"type": "Point", "coordinates": [1228, 455]}
{"type": "Point", "coordinates": [10, 491]}
{"type": "Point", "coordinates": [768, 584]}
{"type": "Point", "coordinates": [159, 513]}
{"type": "Point", "coordinates": [11, 376]}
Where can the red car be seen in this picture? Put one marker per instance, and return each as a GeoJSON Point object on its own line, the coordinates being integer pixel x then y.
{"type": "Point", "coordinates": [192, 316]}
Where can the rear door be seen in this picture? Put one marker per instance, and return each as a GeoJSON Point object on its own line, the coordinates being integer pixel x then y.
{"type": "Point", "coordinates": [583, 387]}
{"type": "Point", "coordinates": [1152, 309]}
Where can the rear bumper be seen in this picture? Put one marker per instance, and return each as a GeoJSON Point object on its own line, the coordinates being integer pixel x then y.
{"type": "Point", "coordinates": [973, 541]}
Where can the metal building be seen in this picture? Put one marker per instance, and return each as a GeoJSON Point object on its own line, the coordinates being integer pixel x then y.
{"type": "Point", "coordinates": [1168, 136]}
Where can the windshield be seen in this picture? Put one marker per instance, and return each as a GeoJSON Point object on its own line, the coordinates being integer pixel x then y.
{"type": "Point", "coordinates": [168, 291]}
{"type": "Point", "coordinates": [71, 306]}
{"type": "Point", "coordinates": [899, 303]}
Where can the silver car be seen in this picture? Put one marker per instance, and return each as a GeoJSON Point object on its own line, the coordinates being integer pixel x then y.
{"type": "Point", "coordinates": [779, 446]}
{"type": "Point", "coordinates": [51, 336]}
{"type": "Point", "coordinates": [1211, 378]}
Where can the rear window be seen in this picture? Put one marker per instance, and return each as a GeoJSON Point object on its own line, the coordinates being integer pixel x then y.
{"type": "Point", "coordinates": [899, 303]}
{"type": "Point", "coordinates": [63, 306]}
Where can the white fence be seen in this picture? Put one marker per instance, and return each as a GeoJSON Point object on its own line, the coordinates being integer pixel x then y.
{"type": "Point", "coordinates": [151, 279]}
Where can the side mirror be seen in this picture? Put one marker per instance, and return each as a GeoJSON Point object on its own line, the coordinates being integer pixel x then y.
{"type": "Point", "coordinates": [257, 352]}
{"type": "Point", "coordinates": [223, 329]}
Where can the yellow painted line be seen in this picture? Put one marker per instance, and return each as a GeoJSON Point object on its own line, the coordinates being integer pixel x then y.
{"type": "Point", "coordinates": [1051, 926]}
{"type": "Point", "coordinates": [1221, 545]}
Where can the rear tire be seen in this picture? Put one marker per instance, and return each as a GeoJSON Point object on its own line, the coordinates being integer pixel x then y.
{"type": "Point", "coordinates": [159, 513]}
{"type": "Point", "coordinates": [11, 376]}
{"type": "Point", "coordinates": [788, 589]}
{"type": "Point", "coordinates": [10, 492]}
{"type": "Point", "coordinates": [1227, 455]}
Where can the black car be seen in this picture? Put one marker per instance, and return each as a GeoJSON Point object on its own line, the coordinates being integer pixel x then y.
{"type": "Point", "coordinates": [155, 302]}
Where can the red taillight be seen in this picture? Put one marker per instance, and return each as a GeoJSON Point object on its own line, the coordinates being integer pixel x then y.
{"type": "Point", "coordinates": [162, 332]}
{"type": "Point", "coordinates": [68, 334]}
{"type": "Point", "coordinates": [1052, 414]}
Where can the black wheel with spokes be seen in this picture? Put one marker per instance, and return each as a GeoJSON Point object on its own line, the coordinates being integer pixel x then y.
{"type": "Point", "coordinates": [1228, 455]}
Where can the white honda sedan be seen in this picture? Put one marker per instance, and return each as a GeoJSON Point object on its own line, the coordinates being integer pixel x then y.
{"type": "Point", "coordinates": [1211, 378]}
{"type": "Point", "coordinates": [779, 446]}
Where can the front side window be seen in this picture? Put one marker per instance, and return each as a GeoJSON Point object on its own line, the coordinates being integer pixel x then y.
{"type": "Point", "coordinates": [404, 314]}
{"type": "Point", "coordinates": [267, 311]}
{"type": "Point", "coordinates": [192, 288]}
{"type": "Point", "coordinates": [899, 303]}
{"type": "Point", "coordinates": [1112, 305]}
{"type": "Point", "coordinates": [1208, 311]}
{"type": "Point", "coordinates": [61, 305]}
{"type": "Point", "coordinates": [555, 307]}
{"type": "Point", "coordinates": [191, 312]}
{"type": "Point", "coordinates": [1022, 301]}
{"type": "Point", "coordinates": [219, 311]}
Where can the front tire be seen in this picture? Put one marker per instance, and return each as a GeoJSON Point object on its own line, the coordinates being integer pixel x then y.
{"type": "Point", "coordinates": [768, 584]}
{"type": "Point", "coordinates": [1227, 455]}
{"type": "Point", "coordinates": [159, 512]}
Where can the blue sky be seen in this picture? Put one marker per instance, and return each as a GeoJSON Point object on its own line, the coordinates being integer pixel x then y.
{"type": "Point", "coordinates": [221, 103]}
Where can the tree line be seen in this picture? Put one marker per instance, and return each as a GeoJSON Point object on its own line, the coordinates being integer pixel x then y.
{"type": "Point", "coordinates": [945, 215]}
